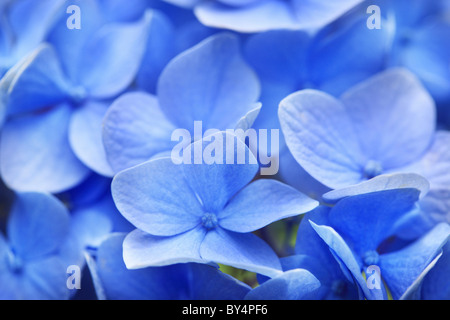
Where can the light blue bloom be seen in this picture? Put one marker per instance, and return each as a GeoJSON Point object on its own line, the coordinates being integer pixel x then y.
{"type": "Point", "coordinates": [209, 82]}
{"type": "Point", "coordinates": [262, 15]}
{"type": "Point", "coordinates": [203, 213]}
{"type": "Point", "coordinates": [31, 261]}
{"type": "Point", "coordinates": [358, 225]}
{"type": "Point", "coordinates": [386, 124]}
{"type": "Point", "coordinates": [190, 281]}
{"type": "Point", "coordinates": [56, 98]}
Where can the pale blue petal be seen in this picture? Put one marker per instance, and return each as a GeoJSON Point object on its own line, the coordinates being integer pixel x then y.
{"type": "Point", "coordinates": [35, 82]}
{"type": "Point", "coordinates": [209, 82]}
{"type": "Point", "coordinates": [261, 203]}
{"type": "Point", "coordinates": [296, 284]}
{"type": "Point", "coordinates": [391, 104]}
{"type": "Point", "coordinates": [347, 260]}
{"type": "Point", "coordinates": [141, 250]}
{"type": "Point", "coordinates": [240, 250]}
{"type": "Point", "coordinates": [85, 136]}
{"type": "Point", "coordinates": [380, 183]}
{"type": "Point", "coordinates": [134, 130]}
{"type": "Point", "coordinates": [36, 155]}
{"type": "Point", "coordinates": [113, 56]}
{"type": "Point", "coordinates": [160, 49]}
{"type": "Point", "coordinates": [37, 225]}
{"type": "Point", "coordinates": [321, 137]}
{"type": "Point", "coordinates": [216, 183]}
{"type": "Point", "coordinates": [155, 197]}
{"type": "Point", "coordinates": [263, 16]}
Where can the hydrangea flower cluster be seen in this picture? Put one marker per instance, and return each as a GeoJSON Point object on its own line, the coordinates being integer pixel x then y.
{"type": "Point", "coordinates": [224, 149]}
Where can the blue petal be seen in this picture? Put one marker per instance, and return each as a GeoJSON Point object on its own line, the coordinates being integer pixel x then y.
{"type": "Point", "coordinates": [30, 22]}
{"type": "Point", "coordinates": [312, 14]}
{"type": "Point", "coordinates": [36, 155]}
{"type": "Point", "coordinates": [209, 82]}
{"type": "Point", "coordinates": [401, 268]}
{"type": "Point", "coordinates": [435, 163]}
{"type": "Point", "coordinates": [85, 136]}
{"type": "Point", "coordinates": [261, 203]}
{"type": "Point", "coordinates": [113, 56]}
{"type": "Point", "coordinates": [128, 145]}
{"type": "Point", "coordinates": [426, 54]}
{"type": "Point", "coordinates": [35, 82]}
{"type": "Point", "coordinates": [368, 219]}
{"type": "Point", "coordinates": [119, 11]}
{"type": "Point", "coordinates": [347, 260]}
{"type": "Point", "coordinates": [240, 250]}
{"type": "Point", "coordinates": [216, 183]}
{"type": "Point", "coordinates": [37, 225]}
{"type": "Point", "coordinates": [321, 137]}
{"type": "Point", "coordinates": [160, 49]}
{"type": "Point", "coordinates": [263, 16]}
{"type": "Point", "coordinates": [391, 104]}
{"type": "Point", "coordinates": [44, 279]}
{"type": "Point", "coordinates": [179, 281]}
{"type": "Point", "coordinates": [380, 183]}
{"type": "Point", "coordinates": [436, 285]}
{"type": "Point", "coordinates": [341, 58]}
{"type": "Point", "coordinates": [156, 198]}
{"type": "Point", "coordinates": [209, 283]}
{"type": "Point", "coordinates": [142, 250]}
{"type": "Point", "coordinates": [120, 283]}
{"type": "Point", "coordinates": [297, 284]}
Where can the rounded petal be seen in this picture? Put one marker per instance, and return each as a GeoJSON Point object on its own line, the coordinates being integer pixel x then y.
{"type": "Point", "coordinates": [141, 250]}
{"type": "Point", "coordinates": [149, 133]}
{"type": "Point", "coordinates": [321, 137]}
{"type": "Point", "coordinates": [85, 136]}
{"type": "Point", "coordinates": [391, 104]}
{"type": "Point", "coordinates": [36, 155]}
{"type": "Point", "coordinates": [37, 226]}
{"type": "Point", "coordinates": [240, 250]}
{"type": "Point", "coordinates": [296, 284]}
{"type": "Point", "coordinates": [261, 203]}
{"type": "Point", "coordinates": [156, 198]}
{"type": "Point", "coordinates": [209, 82]}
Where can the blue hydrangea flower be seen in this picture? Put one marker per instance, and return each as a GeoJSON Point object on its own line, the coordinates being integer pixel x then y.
{"type": "Point", "coordinates": [383, 125]}
{"type": "Point", "coordinates": [359, 225]}
{"type": "Point", "coordinates": [210, 83]}
{"type": "Point", "coordinates": [57, 96]}
{"type": "Point", "coordinates": [312, 254]}
{"type": "Point", "coordinates": [190, 281]}
{"type": "Point", "coordinates": [31, 261]}
{"type": "Point", "coordinates": [203, 212]}
{"type": "Point", "coordinates": [24, 25]}
{"type": "Point", "coordinates": [257, 15]}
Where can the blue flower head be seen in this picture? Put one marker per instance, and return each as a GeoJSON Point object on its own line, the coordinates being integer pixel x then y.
{"type": "Point", "coordinates": [32, 264]}
{"type": "Point", "coordinates": [358, 225]}
{"type": "Point", "coordinates": [57, 96]}
{"type": "Point", "coordinates": [210, 83]}
{"type": "Point", "coordinates": [203, 212]}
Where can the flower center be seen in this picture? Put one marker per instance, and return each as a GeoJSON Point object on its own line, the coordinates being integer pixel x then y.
{"type": "Point", "coordinates": [209, 220]}
{"type": "Point", "coordinates": [371, 258]}
{"type": "Point", "coordinates": [372, 169]}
